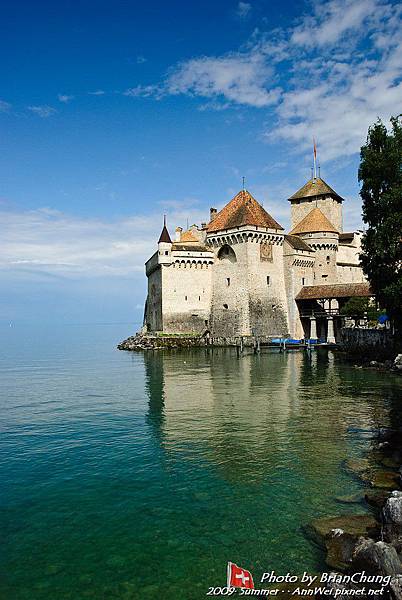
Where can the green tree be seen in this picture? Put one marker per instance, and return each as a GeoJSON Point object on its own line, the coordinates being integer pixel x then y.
{"type": "Point", "coordinates": [380, 174]}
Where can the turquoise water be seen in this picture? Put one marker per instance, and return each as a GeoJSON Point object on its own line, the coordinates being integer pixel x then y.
{"type": "Point", "coordinates": [128, 475]}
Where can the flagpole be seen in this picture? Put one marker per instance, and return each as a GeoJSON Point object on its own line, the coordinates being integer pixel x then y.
{"type": "Point", "coordinates": [315, 159]}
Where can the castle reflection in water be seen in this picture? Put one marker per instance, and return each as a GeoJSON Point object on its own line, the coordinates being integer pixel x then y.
{"type": "Point", "coordinates": [257, 415]}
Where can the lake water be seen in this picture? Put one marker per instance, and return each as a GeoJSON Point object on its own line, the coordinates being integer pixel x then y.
{"type": "Point", "coordinates": [131, 475]}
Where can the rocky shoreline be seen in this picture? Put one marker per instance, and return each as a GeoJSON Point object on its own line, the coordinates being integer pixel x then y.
{"type": "Point", "coordinates": [370, 542]}
{"type": "Point", "coordinates": [142, 341]}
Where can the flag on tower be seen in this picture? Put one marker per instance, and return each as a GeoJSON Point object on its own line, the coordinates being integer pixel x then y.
{"type": "Point", "coordinates": [238, 577]}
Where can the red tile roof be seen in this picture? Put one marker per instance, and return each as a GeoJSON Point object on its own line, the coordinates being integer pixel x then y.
{"type": "Point", "coordinates": [315, 187]}
{"type": "Point", "coordinates": [297, 243]}
{"type": "Point", "coordinates": [243, 209]}
{"type": "Point", "coordinates": [314, 222]}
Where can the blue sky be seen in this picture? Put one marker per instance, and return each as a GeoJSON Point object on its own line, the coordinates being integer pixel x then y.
{"type": "Point", "coordinates": [113, 114]}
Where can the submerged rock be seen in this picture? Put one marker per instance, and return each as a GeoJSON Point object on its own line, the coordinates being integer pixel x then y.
{"type": "Point", "coordinates": [351, 499]}
{"type": "Point", "coordinates": [384, 479]}
{"type": "Point", "coordinates": [354, 525]}
{"type": "Point", "coordinates": [357, 466]}
{"type": "Point", "coordinates": [376, 498]}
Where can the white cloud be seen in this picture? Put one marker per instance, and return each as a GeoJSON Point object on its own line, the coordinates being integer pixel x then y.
{"type": "Point", "coordinates": [97, 93]}
{"type": "Point", "coordinates": [65, 98]}
{"type": "Point", "coordinates": [243, 10]}
{"type": "Point", "coordinates": [337, 99]}
{"type": "Point", "coordinates": [331, 75]}
{"type": "Point", "coordinates": [141, 60]}
{"type": "Point", "coordinates": [334, 19]}
{"type": "Point", "coordinates": [241, 78]}
{"type": "Point", "coordinates": [144, 91]}
{"type": "Point", "coordinates": [51, 242]}
{"type": "Point", "coordinates": [4, 106]}
{"type": "Point", "coordinates": [43, 111]}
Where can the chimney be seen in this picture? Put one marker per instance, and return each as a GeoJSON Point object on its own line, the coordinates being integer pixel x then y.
{"type": "Point", "coordinates": [203, 225]}
{"type": "Point", "coordinates": [178, 233]}
{"type": "Point", "coordinates": [212, 213]}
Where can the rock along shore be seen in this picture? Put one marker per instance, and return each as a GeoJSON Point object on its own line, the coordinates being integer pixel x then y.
{"type": "Point", "coordinates": [142, 341]}
{"type": "Point", "coordinates": [368, 542]}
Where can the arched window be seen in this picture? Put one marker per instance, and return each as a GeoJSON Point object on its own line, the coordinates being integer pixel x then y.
{"type": "Point", "coordinates": [227, 253]}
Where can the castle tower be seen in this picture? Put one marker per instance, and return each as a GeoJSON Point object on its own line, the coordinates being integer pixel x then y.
{"type": "Point", "coordinates": [164, 244]}
{"type": "Point", "coordinates": [248, 284]}
{"type": "Point", "coordinates": [322, 236]}
{"type": "Point", "coordinates": [316, 193]}
{"type": "Point", "coordinates": [153, 313]}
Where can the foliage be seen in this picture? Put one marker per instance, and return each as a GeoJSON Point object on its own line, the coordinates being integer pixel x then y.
{"type": "Point", "coordinates": [380, 174]}
{"type": "Point", "coordinates": [355, 307]}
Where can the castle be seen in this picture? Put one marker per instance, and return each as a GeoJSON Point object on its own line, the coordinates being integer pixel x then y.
{"type": "Point", "coordinates": [242, 275]}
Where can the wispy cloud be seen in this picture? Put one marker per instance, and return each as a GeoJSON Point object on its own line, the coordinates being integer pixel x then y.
{"type": "Point", "coordinates": [141, 60]}
{"type": "Point", "coordinates": [55, 243]}
{"type": "Point", "coordinates": [97, 93]}
{"type": "Point", "coordinates": [65, 98]}
{"type": "Point", "coordinates": [243, 10]}
{"type": "Point", "coordinates": [241, 78]}
{"type": "Point", "coordinates": [4, 106]}
{"type": "Point", "coordinates": [43, 111]}
{"type": "Point", "coordinates": [144, 91]}
{"type": "Point", "coordinates": [333, 20]}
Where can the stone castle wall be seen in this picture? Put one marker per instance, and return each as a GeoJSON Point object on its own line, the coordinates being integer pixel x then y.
{"type": "Point", "coordinates": [248, 286]}
{"type": "Point", "coordinates": [186, 300]}
{"type": "Point", "coordinates": [229, 309]}
{"type": "Point", "coordinates": [153, 317]}
{"type": "Point", "coordinates": [298, 268]}
{"type": "Point", "coordinates": [268, 310]}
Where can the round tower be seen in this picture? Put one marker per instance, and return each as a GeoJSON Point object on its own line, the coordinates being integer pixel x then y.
{"type": "Point", "coordinates": [323, 237]}
{"type": "Point", "coordinates": [316, 193]}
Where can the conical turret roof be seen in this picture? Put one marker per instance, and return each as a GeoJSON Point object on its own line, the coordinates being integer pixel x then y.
{"type": "Point", "coordinates": [242, 210]}
{"type": "Point", "coordinates": [314, 222]}
{"type": "Point", "coordinates": [315, 187]}
{"type": "Point", "coordinates": [164, 236]}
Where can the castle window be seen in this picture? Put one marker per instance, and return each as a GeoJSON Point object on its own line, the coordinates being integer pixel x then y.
{"type": "Point", "coordinates": [166, 252]}
{"type": "Point", "coordinates": [327, 260]}
{"type": "Point", "coordinates": [206, 322]}
{"type": "Point", "coordinates": [303, 281]}
{"type": "Point", "coordinates": [225, 306]}
{"type": "Point", "coordinates": [324, 276]}
{"type": "Point", "coordinates": [228, 281]}
{"type": "Point", "coordinates": [199, 298]}
{"type": "Point", "coordinates": [185, 297]}
{"type": "Point", "coordinates": [268, 280]}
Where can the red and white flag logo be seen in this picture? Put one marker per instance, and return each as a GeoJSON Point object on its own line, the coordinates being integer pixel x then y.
{"type": "Point", "coordinates": [238, 577]}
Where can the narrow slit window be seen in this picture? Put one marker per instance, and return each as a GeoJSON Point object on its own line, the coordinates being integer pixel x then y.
{"type": "Point", "coordinates": [228, 281]}
{"type": "Point", "coordinates": [268, 280]}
